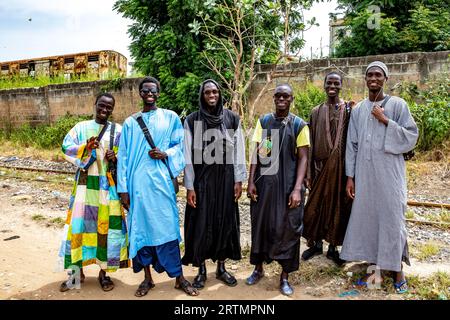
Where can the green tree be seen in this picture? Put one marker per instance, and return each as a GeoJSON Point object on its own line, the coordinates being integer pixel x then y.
{"type": "Point", "coordinates": [417, 25]}
{"type": "Point", "coordinates": [359, 40]}
{"type": "Point", "coordinates": [182, 42]}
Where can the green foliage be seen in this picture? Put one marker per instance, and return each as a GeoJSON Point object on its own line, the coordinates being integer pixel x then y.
{"type": "Point", "coordinates": [44, 136]}
{"type": "Point", "coordinates": [418, 25]}
{"type": "Point", "coordinates": [306, 98]}
{"type": "Point", "coordinates": [434, 287]}
{"type": "Point", "coordinates": [183, 42]}
{"type": "Point", "coordinates": [428, 30]}
{"type": "Point", "coordinates": [362, 41]}
{"type": "Point", "coordinates": [42, 81]}
{"type": "Point", "coordinates": [114, 84]}
{"type": "Point", "coordinates": [430, 108]}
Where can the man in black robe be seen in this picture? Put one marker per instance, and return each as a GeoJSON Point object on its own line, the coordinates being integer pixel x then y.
{"type": "Point", "coordinates": [215, 168]}
{"type": "Point", "coordinates": [276, 189]}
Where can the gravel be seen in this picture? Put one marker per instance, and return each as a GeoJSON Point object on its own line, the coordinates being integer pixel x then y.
{"type": "Point", "coordinates": [417, 234]}
{"type": "Point", "coordinates": [38, 164]}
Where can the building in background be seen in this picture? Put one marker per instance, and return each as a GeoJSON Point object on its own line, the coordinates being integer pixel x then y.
{"type": "Point", "coordinates": [335, 26]}
{"type": "Point", "coordinates": [100, 64]}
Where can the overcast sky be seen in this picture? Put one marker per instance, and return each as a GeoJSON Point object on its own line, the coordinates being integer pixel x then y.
{"type": "Point", "coordinates": [33, 29]}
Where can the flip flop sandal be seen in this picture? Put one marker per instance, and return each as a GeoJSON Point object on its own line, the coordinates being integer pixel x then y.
{"type": "Point", "coordinates": [361, 283]}
{"type": "Point", "coordinates": [401, 287]}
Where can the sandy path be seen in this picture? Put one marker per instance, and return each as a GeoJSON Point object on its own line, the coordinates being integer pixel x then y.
{"type": "Point", "coordinates": [28, 263]}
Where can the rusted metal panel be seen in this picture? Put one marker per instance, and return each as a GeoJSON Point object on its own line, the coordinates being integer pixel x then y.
{"type": "Point", "coordinates": [42, 68]}
{"type": "Point", "coordinates": [100, 63]}
{"type": "Point", "coordinates": [80, 64]}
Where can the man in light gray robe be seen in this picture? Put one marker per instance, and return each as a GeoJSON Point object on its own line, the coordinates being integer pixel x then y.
{"type": "Point", "coordinates": [377, 138]}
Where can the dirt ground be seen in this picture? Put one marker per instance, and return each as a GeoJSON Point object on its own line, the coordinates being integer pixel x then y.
{"type": "Point", "coordinates": [32, 210]}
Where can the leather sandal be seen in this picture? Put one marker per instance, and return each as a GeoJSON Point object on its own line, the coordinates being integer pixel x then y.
{"type": "Point", "coordinates": [254, 277]}
{"type": "Point", "coordinates": [227, 278]}
{"type": "Point", "coordinates": [199, 281]}
{"type": "Point", "coordinates": [106, 283]}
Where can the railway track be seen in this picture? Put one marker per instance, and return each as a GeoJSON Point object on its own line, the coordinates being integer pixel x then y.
{"type": "Point", "coordinates": [58, 171]}
{"type": "Point", "coordinates": [38, 169]}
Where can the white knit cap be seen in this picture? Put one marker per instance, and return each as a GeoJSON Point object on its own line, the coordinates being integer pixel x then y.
{"type": "Point", "coordinates": [380, 65]}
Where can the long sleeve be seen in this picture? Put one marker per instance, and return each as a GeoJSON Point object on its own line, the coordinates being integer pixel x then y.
{"type": "Point", "coordinates": [74, 149]}
{"type": "Point", "coordinates": [310, 170]}
{"type": "Point", "coordinates": [351, 149]}
{"type": "Point", "coordinates": [401, 133]}
{"type": "Point", "coordinates": [175, 150]}
{"type": "Point", "coordinates": [189, 174]}
{"type": "Point", "coordinates": [122, 159]}
{"type": "Point", "coordinates": [240, 169]}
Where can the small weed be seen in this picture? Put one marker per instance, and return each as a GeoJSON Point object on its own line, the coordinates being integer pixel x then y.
{"type": "Point", "coordinates": [426, 250]}
{"type": "Point", "coordinates": [444, 216]}
{"type": "Point", "coordinates": [182, 248]}
{"type": "Point", "coordinates": [58, 222]}
{"type": "Point", "coordinates": [409, 214]}
{"type": "Point", "coordinates": [309, 272]}
{"type": "Point", "coordinates": [38, 217]}
{"type": "Point", "coordinates": [435, 287]}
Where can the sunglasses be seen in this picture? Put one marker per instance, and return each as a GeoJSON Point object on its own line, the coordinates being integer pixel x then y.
{"type": "Point", "coordinates": [282, 95]}
{"type": "Point", "coordinates": [154, 91]}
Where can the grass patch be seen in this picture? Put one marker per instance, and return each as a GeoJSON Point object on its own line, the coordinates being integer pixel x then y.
{"type": "Point", "coordinates": [10, 148]}
{"type": "Point", "coordinates": [409, 214]}
{"type": "Point", "coordinates": [58, 222]}
{"type": "Point", "coordinates": [444, 216]}
{"type": "Point", "coordinates": [435, 287]}
{"type": "Point", "coordinates": [312, 273]}
{"type": "Point", "coordinates": [38, 217]}
{"type": "Point", "coordinates": [425, 251]}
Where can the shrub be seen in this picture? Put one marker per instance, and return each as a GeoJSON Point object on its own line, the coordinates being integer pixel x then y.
{"type": "Point", "coordinates": [306, 98]}
{"type": "Point", "coordinates": [45, 136]}
{"type": "Point", "coordinates": [430, 108]}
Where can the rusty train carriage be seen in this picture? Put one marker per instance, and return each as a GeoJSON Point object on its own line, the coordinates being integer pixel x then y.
{"type": "Point", "coordinates": [97, 63]}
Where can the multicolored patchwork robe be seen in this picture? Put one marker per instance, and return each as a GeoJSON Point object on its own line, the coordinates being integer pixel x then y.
{"type": "Point", "coordinates": [95, 231]}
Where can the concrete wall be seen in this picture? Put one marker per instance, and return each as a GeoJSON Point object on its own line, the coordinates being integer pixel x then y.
{"type": "Point", "coordinates": [45, 105]}
{"type": "Point", "coordinates": [417, 67]}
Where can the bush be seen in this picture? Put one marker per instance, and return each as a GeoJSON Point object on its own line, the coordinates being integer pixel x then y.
{"type": "Point", "coordinates": [306, 98]}
{"type": "Point", "coordinates": [430, 108]}
{"type": "Point", "coordinates": [45, 136]}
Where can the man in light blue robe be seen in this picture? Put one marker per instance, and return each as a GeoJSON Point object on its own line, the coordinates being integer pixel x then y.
{"type": "Point", "coordinates": [381, 129]}
{"type": "Point", "coordinates": [147, 192]}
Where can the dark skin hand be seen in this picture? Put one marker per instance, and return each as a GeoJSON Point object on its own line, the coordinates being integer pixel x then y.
{"type": "Point", "coordinates": [111, 156]}
{"type": "Point", "coordinates": [350, 188]}
{"type": "Point", "coordinates": [251, 187]}
{"type": "Point", "coordinates": [157, 154]}
{"type": "Point", "coordinates": [378, 113]}
{"type": "Point", "coordinates": [191, 196]}
{"type": "Point", "coordinates": [92, 143]}
{"type": "Point", "coordinates": [295, 198]}
{"type": "Point", "coordinates": [237, 191]}
{"type": "Point", "coordinates": [125, 200]}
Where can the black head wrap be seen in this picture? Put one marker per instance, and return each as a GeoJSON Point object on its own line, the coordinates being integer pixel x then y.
{"type": "Point", "coordinates": [215, 119]}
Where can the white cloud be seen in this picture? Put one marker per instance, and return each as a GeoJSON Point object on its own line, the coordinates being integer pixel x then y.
{"type": "Point", "coordinates": [61, 27]}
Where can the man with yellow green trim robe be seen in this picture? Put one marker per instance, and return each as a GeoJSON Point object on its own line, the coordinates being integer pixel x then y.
{"type": "Point", "coordinates": [276, 189]}
{"type": "Point", "coordinates": [95, 231]}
